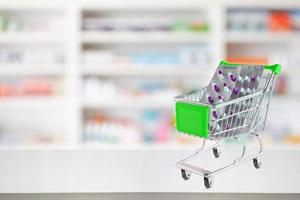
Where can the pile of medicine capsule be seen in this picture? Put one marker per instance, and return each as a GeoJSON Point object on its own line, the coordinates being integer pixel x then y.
{"type": "Point", "coordinates": [228, 83]}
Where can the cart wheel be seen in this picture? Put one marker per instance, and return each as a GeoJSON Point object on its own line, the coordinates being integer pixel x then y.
{"type": "Point", "coordinates": [216, 152]}
{"type": "Point", "coordinates": [208, 182]}
{"type": "Point", "coordinates": [185, 175]}
{"type": "Point", "coordinates": [256, 163]}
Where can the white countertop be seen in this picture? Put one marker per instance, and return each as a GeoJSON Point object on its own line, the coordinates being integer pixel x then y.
{"type": "Point", "coordinates": [97, 171]}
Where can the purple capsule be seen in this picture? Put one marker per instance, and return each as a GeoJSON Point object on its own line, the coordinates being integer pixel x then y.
{"type": "Point", "coordinates": [253, 78]}
{"type": "Point", "coordinates": [227, 126]}
{"type": "Point", "coordinates": [221, 75]}
{"type": "Point", "coordinates": [217, 88]}
{"type": "Point", "coordinates": [215, 114]}
{"type": "Point", "coordinates": [233, 78]}
{"type": "Point", "coordinates": [235, 91]}
{"type": "Point", "coordinates": [210, 100]}
{"type": "Point", "coordinates": [220, 99]}
{"type": "Point", "coordinates": [224, 84]}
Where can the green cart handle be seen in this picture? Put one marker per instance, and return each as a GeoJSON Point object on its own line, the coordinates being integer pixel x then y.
{"type": "Point", "coordinates": [276, 68]}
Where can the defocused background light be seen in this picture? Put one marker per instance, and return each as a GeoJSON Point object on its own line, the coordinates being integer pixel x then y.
{"type": "Point", "coordinates": [77, 74]}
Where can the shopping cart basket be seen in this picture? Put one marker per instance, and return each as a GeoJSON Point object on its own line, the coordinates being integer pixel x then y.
{"type": "Point", "coordinates": [247, 116]}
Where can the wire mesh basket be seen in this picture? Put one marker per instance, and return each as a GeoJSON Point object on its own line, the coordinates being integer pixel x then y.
{"type": "Point", "coordinates": [229, 119]}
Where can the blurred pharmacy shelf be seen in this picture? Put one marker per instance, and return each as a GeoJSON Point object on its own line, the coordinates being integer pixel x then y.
{"type": "Point", "coordinates": [34, 75]}
{"type": "Point", "coordinates": [141, 103]}
{"type": "Point", "coordinates": [173, 146]}
{"type": "Point", "coordinates": [97, 146]}
{"type": "Point", "coordinates": [131, 57]}
{"type": "Point", "coordinates": [31, 38]}
{"type": "Point", "coordinates": [145, 71]}
{"type": "Point", "coordinates": [111, 147]}
{"type": "Point", "coordinates": [33, 147]}
{"type": "Point", "coordinates": [152, 37]}
{"type": "Point", "coordinates": [31, 70]}
{"type": "Point", "coordinates": [29, 102]}
{"type": "Point", "coordinates": [280, 37]}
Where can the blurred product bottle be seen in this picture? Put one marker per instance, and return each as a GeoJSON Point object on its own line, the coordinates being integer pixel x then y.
{"type": "Point", "coordinates": [149, 120]}
{"type": "Point", "coordinates": [281, 86]}
{"type": "Point", "coordinates": [295, 17]}
{"type": "Point", "coordinates": [279, 21]}
{"type": "Point", "coordinates": [3, 22]}
{"type": "Point", "coordinates": [6, 90]}
{"type": "Point", "coordinates": [14, 26]}
{"type": "Point", "coordinates": [236, 20]}
{"type": "Point", "coordinates": [163, 129]}
{"type": "Point", "coordinates": [95, 88]}
{"type": "Point", "coordinates": [36, 87]}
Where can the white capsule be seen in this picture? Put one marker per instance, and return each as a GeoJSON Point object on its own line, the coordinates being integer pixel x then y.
{"type": "Point", "coordinates": [243, 91]}
{"type": "Point", "coordinates": [226, 89]}
{"type": "Point", "coordinates": [247, 78]}
{"type": "Point", "coordinates": [249, 91]}
{"type": "Point", "coordinates": [240, 79]}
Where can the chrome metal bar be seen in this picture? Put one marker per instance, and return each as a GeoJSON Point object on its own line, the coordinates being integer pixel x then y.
{"type": "Point", "coordinates": [208, 173]}
{"type": "Point", "coordinates": [230, 129]}
{"type": "Point", "coordinates": [264, 94]}
{"type": "Point", "coordinates": [269, 100]}
{"type": "Point", "coordinates": [244, 149]}
{"type": "Point", "coordinates": [203, 145]}
{"type": "Point", "coordinates": [239, 99]}
{"type": "Point", "coordinates": [199, 152]}
{"type": "Point", "coordinates": [248, 117]}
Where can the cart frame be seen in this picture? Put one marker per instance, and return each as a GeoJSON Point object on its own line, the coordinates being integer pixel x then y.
{"type": "Point", "coordinates": [254, 119]}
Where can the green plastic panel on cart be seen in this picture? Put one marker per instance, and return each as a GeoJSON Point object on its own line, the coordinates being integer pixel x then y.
{"type": "Point", "coordinates": [192, 119]}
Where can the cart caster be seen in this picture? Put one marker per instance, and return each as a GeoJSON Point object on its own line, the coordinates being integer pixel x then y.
{"type": "Point", "coordinates": [185, 175]}
{"type": "Point", "coordinates": [208, 182]}
{"type": "Point", "coordinates": [256, 163]}
{"type": "Point", "coordinates": [216, 152]}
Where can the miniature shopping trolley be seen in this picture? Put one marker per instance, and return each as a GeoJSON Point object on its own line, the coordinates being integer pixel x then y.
{"type": "Point", "coordinates": [247, 117]}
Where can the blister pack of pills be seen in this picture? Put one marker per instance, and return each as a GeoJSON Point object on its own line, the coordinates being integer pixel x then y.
{"type": "Point", "coordinates": [230, 82]}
